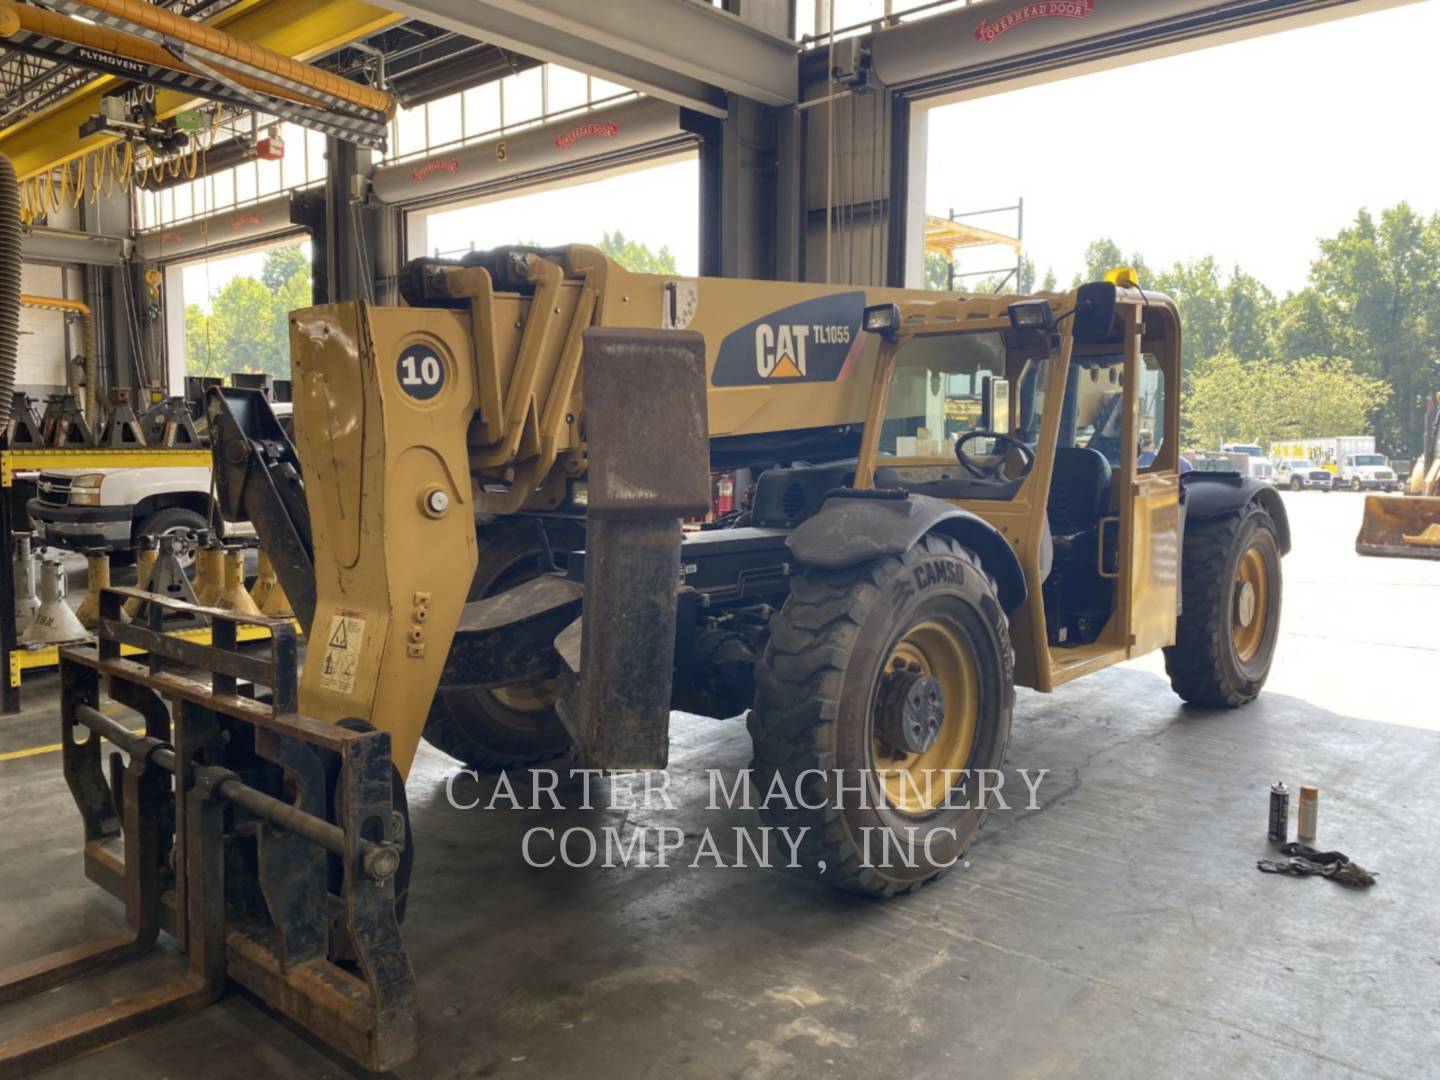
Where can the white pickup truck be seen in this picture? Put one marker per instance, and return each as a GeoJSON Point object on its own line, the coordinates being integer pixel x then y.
{"type": "Point", "coordinates": [81, 508]}
{"type": "Point", "coordinates": [78, 508]}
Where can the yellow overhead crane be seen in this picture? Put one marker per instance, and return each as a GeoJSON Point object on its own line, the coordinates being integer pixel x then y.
{"type": "Point", "coordinates": [294, 31]}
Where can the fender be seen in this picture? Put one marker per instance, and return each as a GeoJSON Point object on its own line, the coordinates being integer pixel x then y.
{"type": "Point", "coordinates": [855, 527]}
{"type": "Point", "coordinates": [1208, 495]}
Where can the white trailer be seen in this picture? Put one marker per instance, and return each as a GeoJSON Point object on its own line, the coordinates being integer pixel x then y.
{"type": "Point", "coordinates": [1328, 453]}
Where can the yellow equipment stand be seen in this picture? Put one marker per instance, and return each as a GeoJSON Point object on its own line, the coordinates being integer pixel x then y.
{"type": "Point", "coordinates": [15, 659]}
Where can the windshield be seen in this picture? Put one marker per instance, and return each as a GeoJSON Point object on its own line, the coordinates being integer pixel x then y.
{"type": "Point", "coordinates": [938, 390]}
{"type": "Point", "coordinates": [1369, 459]}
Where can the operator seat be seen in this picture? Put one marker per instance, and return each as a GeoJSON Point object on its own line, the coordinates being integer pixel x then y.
{"type": "Point", "coordinates": [1079, 498]}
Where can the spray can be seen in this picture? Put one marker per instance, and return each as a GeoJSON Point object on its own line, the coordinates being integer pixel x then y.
{"type": "Point", "coordinates": [1306, 814]}
{"type": "Point", "coordinates": [1279, 813]}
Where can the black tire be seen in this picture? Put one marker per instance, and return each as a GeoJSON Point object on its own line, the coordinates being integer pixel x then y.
{"type": "Point", "coordinates": [1206, 665]}
{"type": "Point", "coordinates": [491, 729]}
{"type": "Point", "coordinates": [173, 520]}
{"type": "Point", "coordinates": [815, 709]}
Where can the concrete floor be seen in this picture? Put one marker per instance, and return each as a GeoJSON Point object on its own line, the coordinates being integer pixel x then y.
{"type": "Point", "coordinates": [1119, 930]}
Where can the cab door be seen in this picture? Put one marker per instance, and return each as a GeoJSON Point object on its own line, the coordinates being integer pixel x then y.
{"type": "Point", "coordinates": [1149, 505]}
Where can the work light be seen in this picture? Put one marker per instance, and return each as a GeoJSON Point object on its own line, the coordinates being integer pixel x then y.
{"type": "Point", "coordinates": [883, 319]}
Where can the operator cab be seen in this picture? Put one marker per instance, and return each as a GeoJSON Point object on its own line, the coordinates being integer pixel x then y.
{"type": "Point", "coordinates": [979, 404]}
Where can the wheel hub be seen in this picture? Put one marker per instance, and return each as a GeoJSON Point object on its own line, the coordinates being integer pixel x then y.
{"type": "Point", "coordinates": [909, 712]}
{"type": "Point", "coordinates": [1245, 604]}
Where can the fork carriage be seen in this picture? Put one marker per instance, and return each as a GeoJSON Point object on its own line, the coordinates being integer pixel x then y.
{"type": "Point", "coordinates": [268, 845]}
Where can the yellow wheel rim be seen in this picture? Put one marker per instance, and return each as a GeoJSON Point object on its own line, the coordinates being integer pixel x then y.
{"type": "Point", "coordinates": [1252, 604]}
{"type": "Point", "coordinates": [941, 652]}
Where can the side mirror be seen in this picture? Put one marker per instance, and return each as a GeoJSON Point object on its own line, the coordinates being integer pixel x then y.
{"type": "Point", "coordinates": [1094, 312]}
{"type": "Point", "coordinates": [995, 405]}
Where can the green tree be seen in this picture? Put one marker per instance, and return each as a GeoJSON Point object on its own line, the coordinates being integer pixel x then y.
{"type": "Point", "coordinates": [635, 256]}
{"type": "Point", "coordinates": [1100, 255]}
{"type": "Point", "coordinates": [282, 264]}
{"type": "Point", "coordinates": [290, 296]}
{"type": "Point", "coordinates": [937, 272]}
{"type": "Point", "coordinates": [1249, 310]}
{"type": "Point", "coordinates": [248, 327]}
{"type": "Point", "coordinates": [1299, 327]}
{"type": "Point", "coordinates": [1104, 254]}
{"type": "Point", "coordinates": [1027, 275]}
{"type": "Point", "coordinates": [1195, 287]}
{"type": "Point", "coordinates": [1327, 394]}
{"type": "Point", "coordinates": [1049, 284]}
{"type": "Point", "coordinates": [199, 357]}
{"type": "Point", "coordinates": [1229, 400]}
{"type": "Point", "coordinates": [1378, 285]}
{"type": "Point", "coordinates": [243, 328]}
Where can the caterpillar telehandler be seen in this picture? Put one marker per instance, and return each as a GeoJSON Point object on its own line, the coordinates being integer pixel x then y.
{"type": "Point", "coordinates": [479, 525]}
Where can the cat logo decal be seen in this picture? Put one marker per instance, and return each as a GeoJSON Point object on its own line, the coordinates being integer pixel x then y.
{"type": "Point", "coordinates": [812, 341]}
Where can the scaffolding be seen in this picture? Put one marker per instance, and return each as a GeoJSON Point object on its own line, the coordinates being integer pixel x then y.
{"type": "Point", "coordinates": [944, 236]}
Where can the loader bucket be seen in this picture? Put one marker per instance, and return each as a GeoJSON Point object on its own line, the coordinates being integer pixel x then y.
{"type": "Point", "coordinates": [1400, 526]}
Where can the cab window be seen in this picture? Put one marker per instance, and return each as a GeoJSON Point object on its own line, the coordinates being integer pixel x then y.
{"type": "Point", "coordinates": [1094, 411]}
{"type": "Point", "coordinates": [938, 392]}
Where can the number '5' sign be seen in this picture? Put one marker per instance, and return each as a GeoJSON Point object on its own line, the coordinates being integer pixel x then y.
{"type": "Point", "coordinates": [421, 372]}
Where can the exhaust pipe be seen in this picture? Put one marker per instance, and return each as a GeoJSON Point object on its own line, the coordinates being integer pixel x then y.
{"type": "Point", "coordinates": [9, 284]}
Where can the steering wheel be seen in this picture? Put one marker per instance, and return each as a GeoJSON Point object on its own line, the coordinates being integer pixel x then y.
{"type": "Point", "coordinates": [995, 470]}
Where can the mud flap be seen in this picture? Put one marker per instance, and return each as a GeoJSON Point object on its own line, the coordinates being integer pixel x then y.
{"type": "Point", "coordinates": [648, 444]}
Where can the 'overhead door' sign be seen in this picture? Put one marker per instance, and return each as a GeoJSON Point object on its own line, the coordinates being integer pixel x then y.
{"type": "Point", "coordinates": [987, 31]}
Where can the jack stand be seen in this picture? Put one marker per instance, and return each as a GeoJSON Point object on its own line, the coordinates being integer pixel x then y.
{"type": "Point", "coordinates": [25, 430]}
{"type": "Point", "coordinates": [71, 427]}
{"type": "Point", "coordinates": [122, 430]}
{"type": "Point", "coordinates": [170, 426]}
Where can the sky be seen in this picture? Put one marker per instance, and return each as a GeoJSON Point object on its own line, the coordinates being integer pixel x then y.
{"type": "Point", "coordinates": [659, 206]}
{"type": "Point", "coordinates": [1249, 151]}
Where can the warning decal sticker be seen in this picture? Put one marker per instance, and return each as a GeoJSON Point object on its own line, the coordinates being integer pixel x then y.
{"type": "Point", "coordinates": [342, 650]}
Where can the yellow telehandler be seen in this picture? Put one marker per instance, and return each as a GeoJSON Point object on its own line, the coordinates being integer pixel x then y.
{"type": "Point", "coordinates": [479, 525]}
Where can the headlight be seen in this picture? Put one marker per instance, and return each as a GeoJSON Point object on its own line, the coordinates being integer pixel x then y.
{"type": "Point", "coordinates": [85, 489]}
{"type": "Point", "coordinates": [579, 494]}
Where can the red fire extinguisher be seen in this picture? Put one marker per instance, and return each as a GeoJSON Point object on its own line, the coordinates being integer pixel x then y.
{"type": "Point", "coordinates": [725, 494]}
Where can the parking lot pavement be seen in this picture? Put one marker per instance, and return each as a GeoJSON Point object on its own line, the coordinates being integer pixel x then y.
{"type": "Point", "coordinates": [1359, 636]}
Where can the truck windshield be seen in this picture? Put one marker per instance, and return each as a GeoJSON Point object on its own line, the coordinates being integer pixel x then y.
{"type": "Point", "coordinates": [937, 392]}
{"type": "Point", "coordinates": [1369, 459]}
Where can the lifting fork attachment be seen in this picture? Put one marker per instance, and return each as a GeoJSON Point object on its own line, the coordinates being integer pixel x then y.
{"type": "Point", "coordinates": [264, 842]}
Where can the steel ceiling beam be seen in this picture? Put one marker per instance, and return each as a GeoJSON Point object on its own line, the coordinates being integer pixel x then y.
{"type": "Point", "coordinates": [301, 29]}
{"type": "Point", "coordinates": [688, 53]}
